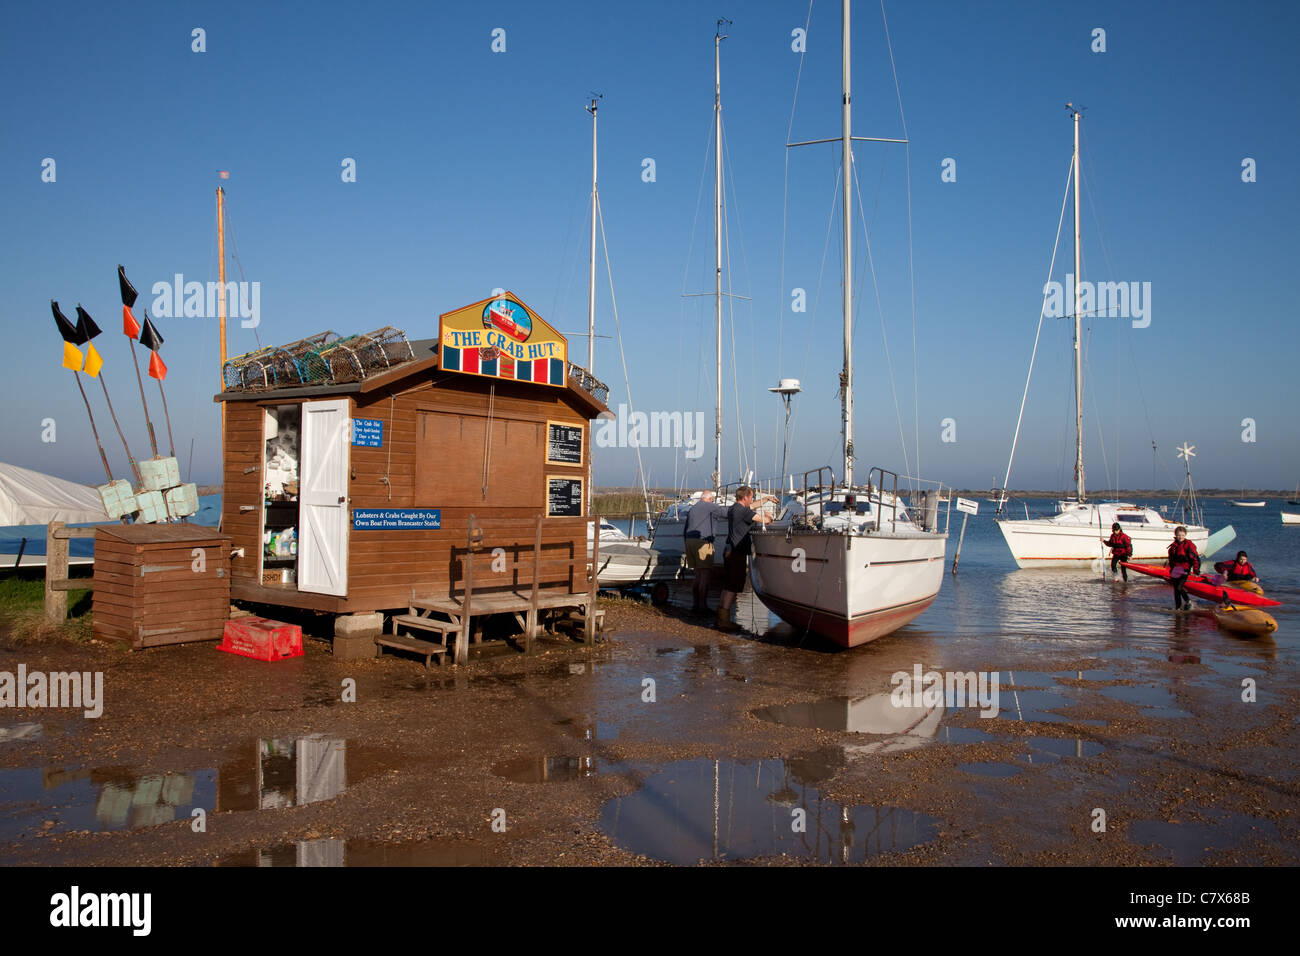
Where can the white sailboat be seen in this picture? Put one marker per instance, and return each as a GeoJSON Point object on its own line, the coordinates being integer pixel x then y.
{"type": "Point", "coordinates": [846, 561]}
{"type": "Point", "coordinates": [1072, 536]}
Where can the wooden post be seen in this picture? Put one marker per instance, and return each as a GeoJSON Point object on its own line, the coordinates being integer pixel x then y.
{"type": "Point", "coordinates": [530, 631]}
{"type": "Point", "coordinates": [960, 538]}
{"type": "Point", "coordinates": [589, 625]}
{"type": "Point", "coordinates": [56, 569]}
{"type": "Point", "coordinates": [462, 639]}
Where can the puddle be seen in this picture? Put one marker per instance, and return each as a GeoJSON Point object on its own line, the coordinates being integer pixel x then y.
{"type": "Point", "coordinates": [965, 735]}
{"type": "Point", "coordinates": [1054, 748]}
{"type": "Point", "coordinates": [551, 769]}
{"type": "Point", "coordinates": [1157, 701]}
{"type": "Point", "coordinates": [55, 800]}
{"type": "Point", "coordinates": [264, 774]}
{"type": "Point", "coordinates": [698, 810]}
{"type": "Point", "coordinates": [16, 732]}
{"type": "Point", "coordinates": [1187, 844]}
{"type": "Point", "coordinates": [585, 728]}
{"type": "Point", "coordinates": [334, 852]}
{"type": "Point", "coordinates": [1042, 751]}
{"type": "Point", "coordinates": [1032, 705]}
{"type": "Point", "coordinates": [275, 773]}
{"type": "Point", "coordinates": [875, 714]}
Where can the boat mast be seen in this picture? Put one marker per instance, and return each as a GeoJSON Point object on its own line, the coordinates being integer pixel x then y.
{"type": "Point", "coordinates": [221, 298]}
{"type": "Point", "coordinates": [718, 37]}
{"type": "Point", "coordinates": [591, 285]}
{"type": "Point", "coordinates": [1078, 351]}
{"type": "Point", "coordinates": [846, 376]}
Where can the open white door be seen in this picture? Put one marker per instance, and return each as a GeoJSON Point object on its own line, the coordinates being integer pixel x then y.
{"type": "Point", "coordinates": [323, 498]}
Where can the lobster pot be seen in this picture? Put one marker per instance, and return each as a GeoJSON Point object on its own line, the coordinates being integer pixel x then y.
{"type": "Point", "coordinates": [160, 584]}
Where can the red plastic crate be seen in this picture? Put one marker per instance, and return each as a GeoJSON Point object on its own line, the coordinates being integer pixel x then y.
{"type": "Point", "coordinates": [261, 639]}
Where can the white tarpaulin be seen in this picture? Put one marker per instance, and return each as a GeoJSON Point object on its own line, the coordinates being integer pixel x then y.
{"type": "Point", "coordinates": [29, 497]}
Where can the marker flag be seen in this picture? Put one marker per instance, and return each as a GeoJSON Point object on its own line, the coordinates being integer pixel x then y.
{"type": "Point", "coordinates": [130, 327]}
{"type": "Point", "coordinates": [66, 328]}
{"type": "Point", "coordinates": [156, 367]}
{"type": "Point", "coordinates": [93, 362]}
{"type": "Point", "coordinates": [72, 359]}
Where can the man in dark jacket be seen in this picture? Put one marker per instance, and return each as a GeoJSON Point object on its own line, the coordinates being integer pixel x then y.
{"type": "Point", "coordinates": [1121, 548]}
{"type": "Point", "coordinates": [735, 556]}
{"type": "Point", "coordinates": [698, 535]}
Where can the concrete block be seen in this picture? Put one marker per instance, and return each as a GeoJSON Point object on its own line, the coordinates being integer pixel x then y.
{"type": "Point", "coordinates": [348, 625]}
{"type": "Point", "coordinates": [355, 647]}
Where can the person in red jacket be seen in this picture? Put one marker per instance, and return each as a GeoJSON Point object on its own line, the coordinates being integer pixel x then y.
{"type": "Point", "coordinates": [1239, 570]}
{"type": "Point", "coordinates": [1184, 560]}
{"type": "Point", "coordinates": [1121, 548]}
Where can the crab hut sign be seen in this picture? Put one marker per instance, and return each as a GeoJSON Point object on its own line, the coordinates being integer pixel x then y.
{"type": "Point", "coordinates": [502, 338]}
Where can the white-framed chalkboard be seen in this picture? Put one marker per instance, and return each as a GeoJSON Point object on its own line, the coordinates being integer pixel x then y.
{"type": "Point", "coordinates": [563, 496]}
{"type": "Point", "coordinates": [564, 442]}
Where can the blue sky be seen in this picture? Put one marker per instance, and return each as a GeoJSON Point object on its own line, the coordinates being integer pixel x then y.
{"type": "Point", "coordinates": [473, 172]}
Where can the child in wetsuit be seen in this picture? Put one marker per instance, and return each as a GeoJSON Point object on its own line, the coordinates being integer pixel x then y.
{"type": "Point", "coordinates": [1184, 560]}
{"type": "Point", "coordinates": [1238, 570]}
{"type": "Point", "coordinates": [1121, 548]}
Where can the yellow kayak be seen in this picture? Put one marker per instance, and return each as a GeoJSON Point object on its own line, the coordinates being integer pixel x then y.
{"type": "Point", "coordinates": [1250, 586]}
{"type": "Point", "coordinates": [1244, 620]}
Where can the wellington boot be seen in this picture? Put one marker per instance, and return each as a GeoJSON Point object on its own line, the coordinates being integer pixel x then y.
{"type": "Point", "coordinates": [723, 620]}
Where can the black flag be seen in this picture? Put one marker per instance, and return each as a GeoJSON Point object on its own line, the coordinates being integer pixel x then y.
{"type": "Point", "coordinates": [128, 291]}
{"type": "Point", "coordinates": [66, 328]}
{"type": "Point", "coordinates": [149, 336]}
{"type": "Point", "coordinates": [86, 327]}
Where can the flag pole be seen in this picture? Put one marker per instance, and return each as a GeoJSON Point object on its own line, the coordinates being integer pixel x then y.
{"type": "Point", "coordinates": [153, 442]}
{"type": "Point", "coordinates": [170, 442]}
{"type": "Point", "coordinates": [95, 431]}
{"type": "Point", "coordinates": [128, 300]}
{"type": "Point", "coordinates": [135, 469]}
{"type": "Point", "coordinates": [221, 302]}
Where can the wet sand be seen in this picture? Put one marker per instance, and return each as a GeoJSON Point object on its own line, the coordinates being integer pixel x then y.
{"type": "Point", "coordinates": [742, 755]}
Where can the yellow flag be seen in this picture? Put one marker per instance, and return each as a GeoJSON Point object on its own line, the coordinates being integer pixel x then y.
{"type": "Point", "coordinates": [72, 357]}
{"type": "Point", "coordinates": [93, 362]}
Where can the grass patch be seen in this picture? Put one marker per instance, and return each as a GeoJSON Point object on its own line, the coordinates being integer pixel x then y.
{"type": "Point", "coordinates": [22, 610]}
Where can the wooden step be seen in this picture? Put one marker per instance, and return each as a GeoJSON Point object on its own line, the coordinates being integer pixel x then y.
{"type": "Point", "coordinates": [427, 649]}
{"type": "Point", "coordinates": [425, 624]}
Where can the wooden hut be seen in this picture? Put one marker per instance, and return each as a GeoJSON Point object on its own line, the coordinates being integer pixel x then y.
{"type": "Point", "coordinates": [352, 466]}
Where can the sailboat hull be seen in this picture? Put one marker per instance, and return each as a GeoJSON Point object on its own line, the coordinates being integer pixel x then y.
{"type": "Point", "coordinates": [1054, 543]}
{"type": "Point", "coordinates": [848, 588]}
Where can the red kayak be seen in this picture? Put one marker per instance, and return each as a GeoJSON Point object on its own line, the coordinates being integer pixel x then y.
{"type": "Point", "coordinates": [1199, 585]}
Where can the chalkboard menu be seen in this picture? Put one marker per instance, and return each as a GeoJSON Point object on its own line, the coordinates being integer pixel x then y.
{"type": "Point", "coordinates": [563, 443]}
{"type": "Point", "coordinates": [563, 497]}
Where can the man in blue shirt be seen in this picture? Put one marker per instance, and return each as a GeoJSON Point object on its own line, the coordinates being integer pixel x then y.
{"type": "Point", "coordinates": [735, 556]}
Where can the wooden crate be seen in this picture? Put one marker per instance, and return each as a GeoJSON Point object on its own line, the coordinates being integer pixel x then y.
{"type": "Point", "coordinates": [161, 584]}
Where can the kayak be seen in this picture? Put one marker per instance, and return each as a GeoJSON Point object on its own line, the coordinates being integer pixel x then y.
{"type": "Point", "coordinates": [1244, 620]}
{"type": "Point", "coordinates": [1202, 588]}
